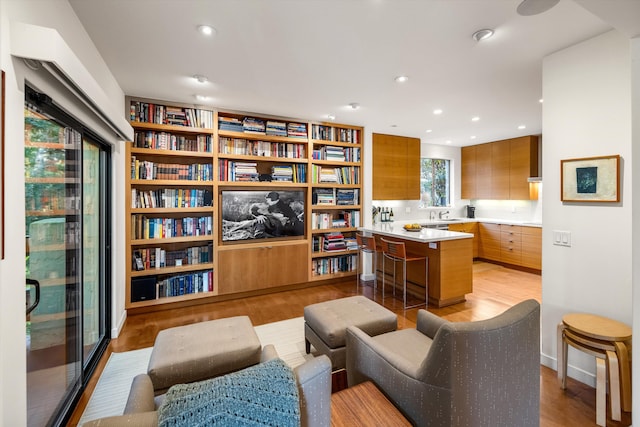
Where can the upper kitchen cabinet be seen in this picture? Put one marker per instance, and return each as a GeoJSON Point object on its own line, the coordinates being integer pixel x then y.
{"type": "Point", "coordinates": [499, 170]}
{"type": "Point", "coordinates": [396, 167]}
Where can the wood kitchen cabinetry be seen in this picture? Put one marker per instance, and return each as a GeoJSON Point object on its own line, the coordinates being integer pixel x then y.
{"type": "Point", "coordinates": [468, 227]}
{"type": "Point", "coordinates": [396, 167]}
{"type": "Point", "coordinates": [499, 170]}
{"type": "Point", "coordinates": [509, 244]}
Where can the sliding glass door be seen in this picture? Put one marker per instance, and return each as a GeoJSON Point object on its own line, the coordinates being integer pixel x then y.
{"type": "Point", "coordinates": [67, 259]}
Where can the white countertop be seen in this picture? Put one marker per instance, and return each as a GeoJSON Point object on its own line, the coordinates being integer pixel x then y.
{"type": "Point", "coordinates": [463, 220]}
{"type": "Point", "coordinates": [425, 235]}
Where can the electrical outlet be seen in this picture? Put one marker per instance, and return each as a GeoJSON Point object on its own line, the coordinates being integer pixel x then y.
{"type": "Point", "coordinates": [407, 209]}
{"type": "Point", "coordinates": [561, 238]}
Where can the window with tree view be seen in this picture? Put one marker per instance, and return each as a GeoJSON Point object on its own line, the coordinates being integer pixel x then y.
{"type": "Point", "coordinates": [434, 182]}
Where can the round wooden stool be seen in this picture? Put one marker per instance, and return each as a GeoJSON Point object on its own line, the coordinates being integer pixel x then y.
{"type": "Point", "coordinates": [606, 339]}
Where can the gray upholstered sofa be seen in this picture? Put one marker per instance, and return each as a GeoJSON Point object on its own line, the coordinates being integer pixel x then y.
{"type": "Point", "coordinates": [314, 386]}
{"type": "Point", "coordinates": [484, 373]}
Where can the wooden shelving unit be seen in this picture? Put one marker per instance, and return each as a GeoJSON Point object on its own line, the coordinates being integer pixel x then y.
{"type": "Point", "coordinates": [246, 152]}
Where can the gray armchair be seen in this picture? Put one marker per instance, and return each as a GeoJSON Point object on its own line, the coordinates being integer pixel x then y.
{"type": "Point", "coordinates": [484, 373]}
{"type": "Point", "coordinates": [314, 387]}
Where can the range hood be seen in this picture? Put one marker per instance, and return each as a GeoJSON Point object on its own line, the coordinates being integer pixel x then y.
{"type": "Point", "coordinates": [534, 179]}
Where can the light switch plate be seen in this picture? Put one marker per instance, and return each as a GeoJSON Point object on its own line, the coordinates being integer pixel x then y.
{"type": "Point", "coordinates": [561, 238]}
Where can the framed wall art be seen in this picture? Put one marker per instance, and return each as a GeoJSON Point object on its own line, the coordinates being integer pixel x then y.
{"type": "Point", "coordinates": [591, 179]}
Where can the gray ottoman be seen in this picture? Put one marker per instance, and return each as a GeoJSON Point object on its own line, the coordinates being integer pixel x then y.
{"type": "Point", "coordinates": [199, 351]}
{"type": "Point", "coordinates": [325, 324]}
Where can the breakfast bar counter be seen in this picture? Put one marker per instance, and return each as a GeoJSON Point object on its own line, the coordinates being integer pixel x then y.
{"type": "Point", "coordinates": [450, 256]}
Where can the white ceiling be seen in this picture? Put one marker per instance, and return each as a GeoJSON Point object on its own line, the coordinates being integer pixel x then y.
{"type": "Point", "coordinates": [310, 58]}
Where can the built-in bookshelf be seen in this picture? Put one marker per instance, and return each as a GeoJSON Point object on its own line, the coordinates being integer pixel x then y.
{"type": "Point", "coordinates": [184, 160]}
{"type": "Point", "coordinates": [336, 185]}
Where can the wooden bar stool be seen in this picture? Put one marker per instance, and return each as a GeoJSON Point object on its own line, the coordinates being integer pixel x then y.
{"type": "Point", "coordinates": [367, 245]}
{"type": "Point", "coordinates": [396, 252]}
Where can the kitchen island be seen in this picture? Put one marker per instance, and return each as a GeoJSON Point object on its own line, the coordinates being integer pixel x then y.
{"type": "Point", "coordinates": [450, 256]}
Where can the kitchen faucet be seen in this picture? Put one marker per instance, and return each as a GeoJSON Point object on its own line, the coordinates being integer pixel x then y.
{"type": "Point", "coordinates": [432, 215]}
{"type": "Point", "coordinates": [443, 213]}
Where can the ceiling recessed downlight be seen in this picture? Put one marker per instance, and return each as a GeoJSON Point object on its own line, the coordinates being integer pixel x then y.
{"type": "Point", "coordinates": [354, 105]}
{"type": "Point", "coordinates": [472, 137]}
{"type": "Point", "coordinates": [482, 34]}
{"type": "Point", "coordinates": [401, 79]}
{"type": "Point", "coordinates": [207, 30]}
{"type": "Point", "coordinates": [534, 7]}
{"type": "Point", "coordinates": [475, 119]}
{"type": "Point", "coordinates": [331, 117]}
{"type": "Point", "coordinates": [200, 78]}
{"type": "Point", "coordinates": [522, 127]}
{"type": "Point", "coordinates": [202, 97]}
{"type": "Point", "coordinates": [437, 111]}
{"type": "Point", "coordinates": [540, 100]}
{"type": "Point", "coordinates": [429, 131]}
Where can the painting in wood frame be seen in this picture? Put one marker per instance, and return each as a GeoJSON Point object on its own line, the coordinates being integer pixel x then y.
{"type": "Point", "coordinates": [590, 179]}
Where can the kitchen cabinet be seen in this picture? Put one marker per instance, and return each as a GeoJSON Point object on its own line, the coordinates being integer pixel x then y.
{"type": "Point", "coordinates": [513, 245]}
{"type": "Point", "coordinates": [468, 227]}
{"type": "Point", "coordinates": [499, 170]}
{"type": "Point", "coordinates": [396, 167]}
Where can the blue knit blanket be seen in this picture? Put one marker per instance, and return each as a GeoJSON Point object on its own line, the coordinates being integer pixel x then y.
{"type": "Point", "coordinates": [261, 395]}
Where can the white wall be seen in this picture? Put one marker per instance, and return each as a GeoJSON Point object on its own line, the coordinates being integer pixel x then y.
{"type": "Point", "coordinates": [58, 15]}
{"type": "Point", "coordinates": [587, 112]}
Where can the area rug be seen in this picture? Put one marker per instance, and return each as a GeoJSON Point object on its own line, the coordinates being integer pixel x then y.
{"type": "Point", "coordinates": [112, 390]}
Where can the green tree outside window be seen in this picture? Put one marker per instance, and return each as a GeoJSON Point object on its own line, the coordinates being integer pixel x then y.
{"type": "Point", "coordinates": [434, 182]}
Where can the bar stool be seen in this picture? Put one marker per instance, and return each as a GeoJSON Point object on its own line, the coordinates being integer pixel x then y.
{"type": "Point", "coordinates": [396, 252]}
{"type": "Point", "coordinates": [367, 245]}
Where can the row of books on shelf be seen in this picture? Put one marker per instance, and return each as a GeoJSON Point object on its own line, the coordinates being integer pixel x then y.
{"type": "Point", "coordinates": [337, 154]}
{"type": "Point", "coordinates": [171, 198]}
{"type": "Point", "coordinates": [143, 227]}
{"type": "Point", "coordinates": [263, 127]}
{"type": "Point", "coordinates": [230, 170]}
{"type": "Point", "coordinates": [289, 173]}
{"type": "Point", "coordinates": [261, 148]}
{"type": "Point", "coordinates": [330, 133]}
{"type": "Point", "coordinates": [333, 242]}
{"type": "Point", "coordinates": [326, 220]}
{"type": "Point", "coordinates": [169, 141]}
{"type": "Point", "coordinates": [145, 169]}
{"type": "Point", "coordinates": [341, 175]}
{"type": "Point", "coordinates": [185, 284]}
{"type": "Point", "coordinates": [147, 258]}
{"type": "Point", "coordinates": [338, 264]}
{"type": "Point", "coordinates": [148, 112]}
{"type": "Point", "coordinates": [335, 196]}
{"type": "Point", "coordinates": [51, 197]}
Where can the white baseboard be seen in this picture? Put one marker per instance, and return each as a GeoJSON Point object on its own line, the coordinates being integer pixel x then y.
{"type": "Point", "coordinates": [115, 331]}
{"type": "Point", "coordinates": [572, 372]}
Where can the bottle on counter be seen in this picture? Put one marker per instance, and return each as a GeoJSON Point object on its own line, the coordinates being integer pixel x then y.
{"type": "Point", "coordinates": [391, 215]}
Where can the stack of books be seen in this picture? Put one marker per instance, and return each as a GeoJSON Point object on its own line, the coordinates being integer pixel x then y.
{"type": "Point", "coordinates": [230, 124]}
{"type": "Point", "coordinates": [323, 196]}
{"type": "Point", "coordinates": [334, 154]}
{"type": "Point", "coordinates": [282, 173]}
{"type": "Point", "coordinates": [244, 171]}
{"type": "Point", "coordinates": [297, 130]}
{"type": "Point", "coordinates": [253, 125]}
{"type": "Point", "coordinates": [276, 128]}
{"type": "Point", "coordinates": [334, 242]}
{"type": "Point", "coordinates": [347, 196]}
{"type": "Point", "coordinates": [176, 116]}
{"type": "Point", "coordinates": [328, 175]}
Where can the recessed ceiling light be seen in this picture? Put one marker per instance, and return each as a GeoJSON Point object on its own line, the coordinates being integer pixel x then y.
{"type": "Point", "coordinates": [401, 79]}
{"type": "Point", "coordinates": [429, 131]}
{"type": "Point", "coordinates": [448, 141]}
{"type": "Point", "coordinates": [207, 30]}
{"type": "Point", "coordinates": [475, 119]}
{"type": "Point", "coordinates": [482, 34]}
{"type": "Point", "coordinates": [534, 7]}
{"type": "Point", "coordinates": [540, 100]}
{"type": "Point", "coordinates": [472, 137]}
{"type": "Point", "coordinates": [331, 117]}
{"type": "Point", "coordinates": [354, 105]}
{"type": "Point", "coordinates": [521, 127]}
{"type": "Point", "coordinates": [394, 126]}
{"type": "Point", "coordinates": [201, 97]}
{"type": "Point", "coordinates": [200, 78]}
{"type": "Point", "coordinates": [437, 111]}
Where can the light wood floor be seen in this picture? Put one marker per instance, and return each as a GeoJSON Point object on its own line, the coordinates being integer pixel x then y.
{"type": "Point", "coordinates": [495, 289]}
